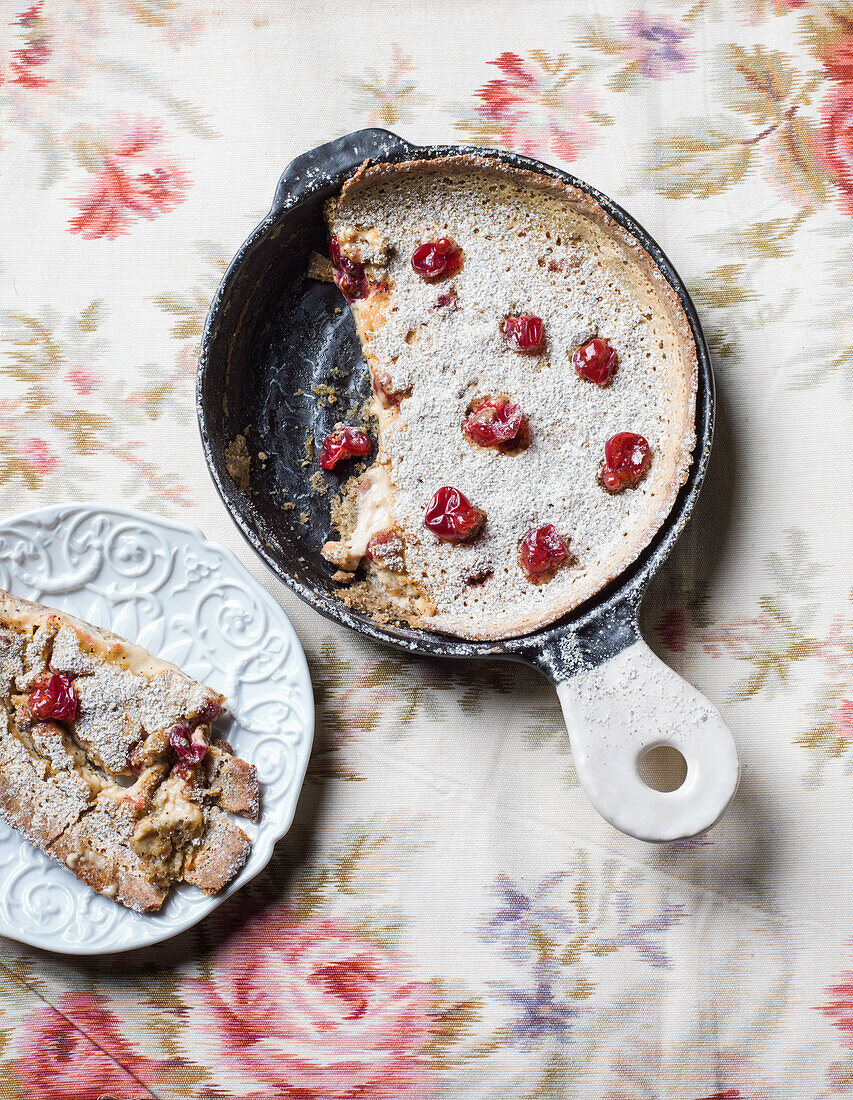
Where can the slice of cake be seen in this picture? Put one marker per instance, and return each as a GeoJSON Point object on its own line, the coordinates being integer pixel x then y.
{"type": "Point", "coordinates": [534, 379]}
{"type": "Point", "coordinates": [107, 762]}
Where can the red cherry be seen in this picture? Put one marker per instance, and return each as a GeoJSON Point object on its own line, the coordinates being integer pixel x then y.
{"type": "Point", "coordinates": [523, 333]}
{"type": "Point", "coordinates": [189, 752]}
{"type": "Point", "coordinates": [608, 479]}
{"type": "Point", "coordinates": [53, 697]}
{"type": "Point", "coordinates": [493, 421]}
{"type": "Point", "coordinates": [452, 517]}
{"type": "Point", "coordinates": [348, 274]}
{"type": "Point", "coordinates": [627, 458]}
{"type": "Point", "coordinates": [434, 259]}
{"type": "Point", "coordinates": [596, 361]}
{"type": "Point", "coordinates": [352, 288]}
{"type": "Point", "coordinates": [209, 713]}
{"type": "Point", "coordinates": [541, 552]}
{"type": "Point", "coordinates": [343, 443]}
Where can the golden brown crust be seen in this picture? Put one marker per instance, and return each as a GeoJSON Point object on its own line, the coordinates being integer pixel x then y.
{"type": "Point", "coordinates": [220, 855]}
{"type": "Point", "coordinates": [97, 850]}
{"type": "Point", "coordinates": [232, 781]}
{"type": "Point", "coordinates": [38, 805]}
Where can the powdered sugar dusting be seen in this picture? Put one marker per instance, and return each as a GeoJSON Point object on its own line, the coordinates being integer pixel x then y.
{"type": "Point", "coordinates": [118, 707]}
{"type": "Point", "coordinates": [525, 251]}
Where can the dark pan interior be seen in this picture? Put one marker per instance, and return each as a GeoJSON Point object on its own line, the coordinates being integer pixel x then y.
{"type": "Point", "coordinates": [274, 338]}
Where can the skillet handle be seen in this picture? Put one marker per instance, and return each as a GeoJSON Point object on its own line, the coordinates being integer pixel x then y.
{"type": "Point", "coordinates": [620, 709]}
{"type": "Point", "coordinates": [343, 154]}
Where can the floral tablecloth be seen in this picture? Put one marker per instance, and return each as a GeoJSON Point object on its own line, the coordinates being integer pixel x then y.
{"type": "Point", "coordinates": [448, 917]}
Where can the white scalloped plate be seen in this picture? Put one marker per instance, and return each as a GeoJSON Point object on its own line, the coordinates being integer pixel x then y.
{"type": "Point", "coordinates": [190, 601]}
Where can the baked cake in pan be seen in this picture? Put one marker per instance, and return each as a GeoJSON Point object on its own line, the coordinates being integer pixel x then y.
{"type": "Point", "coordinates": [535, 383]}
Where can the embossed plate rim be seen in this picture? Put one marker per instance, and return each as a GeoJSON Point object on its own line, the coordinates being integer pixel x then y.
{"type": "Point", "coordinates": [155, 928]}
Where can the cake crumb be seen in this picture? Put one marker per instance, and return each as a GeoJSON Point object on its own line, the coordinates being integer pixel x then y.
{"type": "Point", "coordinates": [320, 268]}
{"type": "Point", "coordinates": [318, 483]}
{"type": "Point", "coordinates": [238, 463]}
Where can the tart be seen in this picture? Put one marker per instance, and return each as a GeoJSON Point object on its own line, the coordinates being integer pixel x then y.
{"type": "Point", "coordinates": [108, 763]}
{"type": "Point", "coordinates": [534, 381]}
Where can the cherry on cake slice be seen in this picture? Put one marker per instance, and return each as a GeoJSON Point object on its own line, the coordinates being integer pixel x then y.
{"type": "Point", "coordinates": [107, 763]}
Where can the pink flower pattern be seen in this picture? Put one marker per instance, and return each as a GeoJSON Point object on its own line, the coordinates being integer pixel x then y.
{"type": "Point", "coordinates": [82, 381]}
{"type": "Point", "coordinates": [838, 62]}
{"type": "Point", "coordinates": [308, 1009]}
{"type": "Point", "coordinates": [80, 1051]}
{"type": "Point", "coordinates": [27, 61]}
{"type": "Point", "coordinates": [842, 719]}
{"type": "Point", "coordinates": [135, 179]}
{"type": "Point", "coordinates": [40, 456]}
{"type": "Point", "coordinates": [533, 117]}
{"type": "Point", "coordinates": [837, 141]}
{"type": "Point", "coordinates": [839, 1009]}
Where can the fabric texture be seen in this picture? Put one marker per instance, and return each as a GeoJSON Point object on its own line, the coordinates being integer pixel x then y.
{"type": "Point", "coordinates": [448, 917]}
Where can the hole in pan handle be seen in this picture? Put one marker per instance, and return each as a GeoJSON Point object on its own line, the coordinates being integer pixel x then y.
{"type": "Point", "coordinates": [631, 703]}
{"type": "Point", "coordinates": [314, 168]}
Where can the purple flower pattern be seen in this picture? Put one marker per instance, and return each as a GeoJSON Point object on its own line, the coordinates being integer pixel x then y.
{"type": "Point", "coordinates": [638, 934]}
{"type": "Point", "coordinates": [551, 930]}
{"type": "Point", "coordinates": [655, 41]}
{"type": "Point", "coordinates": [542, 1016]}
{"type": "Point", "coordinates": [519, 913]}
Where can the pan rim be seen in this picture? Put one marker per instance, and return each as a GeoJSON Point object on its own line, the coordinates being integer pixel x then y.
{"type": "Point", "coordinates": [621, 596]}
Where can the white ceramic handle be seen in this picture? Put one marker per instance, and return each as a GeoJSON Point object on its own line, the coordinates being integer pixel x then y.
{"type": "Point", "coordinates": [632, 703]}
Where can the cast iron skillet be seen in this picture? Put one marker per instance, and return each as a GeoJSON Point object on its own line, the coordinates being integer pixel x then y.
{"type": "Point", "coordinates": [272, 336]}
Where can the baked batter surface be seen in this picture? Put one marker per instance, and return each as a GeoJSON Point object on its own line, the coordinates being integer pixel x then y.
{"type": "Point", "coordinates": [530, 245]}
